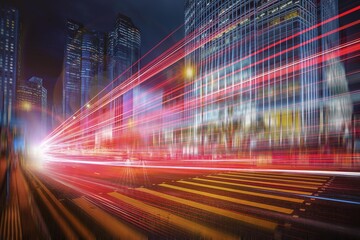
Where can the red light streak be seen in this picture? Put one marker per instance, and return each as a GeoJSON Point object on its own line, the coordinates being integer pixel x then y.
{"type": "Point", "coordinates": [73, 134]}
{"type": "Point", "coordinates": [344, 49]}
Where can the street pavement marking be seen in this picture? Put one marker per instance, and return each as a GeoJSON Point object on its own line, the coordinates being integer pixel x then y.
{"type": "Point", "coordinates": [252, 186]}
{"type": "Point", "coordinates": [187, 225]}
{"type": "Point", "coordinates": [268, 225]}
{"type": "Point", "coordinates": [112, 225]}
{"type": "Point", "coordinates": [279, 176]}
{"type": "Point", "coordinates": [264, 195]}
{"type": "Point", "coordinates": [302, 175]}
{"type": "Point", "coordinates": [231, 199]}
{"type": "Point", "coordinates": [234, 178]}
{"type": "Point", "coordinates": [275, 179]}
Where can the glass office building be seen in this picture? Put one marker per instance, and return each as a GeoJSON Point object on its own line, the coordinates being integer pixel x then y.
{"type": "Point", "coordinates": [9, 48]}
{"type": "Point", "coordinates": [83, 66]}
{"type": "Point", "coordinates": [256, 81]}
{"type": "Point", "coordinates": [123, 52]}
{"type": "Point", "coordinates": [32, 105]}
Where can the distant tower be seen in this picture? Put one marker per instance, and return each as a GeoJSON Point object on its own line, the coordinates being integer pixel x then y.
{"type": "Point", "coordinates": [72, 68]}
{"type": "Point", "coordinates": [83, 66]}
{"type": "Point", "coordinates": [123, 50]}
{"type": "Point", "coordinates": [9, 45]}
{"type": "Point", "coordinates": [32, 104]}
{"type": "Point", "coordinates": [92, 64]}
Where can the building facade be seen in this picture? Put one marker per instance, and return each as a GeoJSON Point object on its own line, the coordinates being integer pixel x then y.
{"type": "Point", "coordinates": [9, 54]}
{"type": "Point", "coordinates": [32, 105]}
{"type": "Point", "coordinates": [83, 66]}
{"type": "Point", "coordinates": [256, 81]}
{"type": "Point", "coordinates": [94, 62]}
{"type": "Point", "coordinates": [123, 53]}
{"type": "Point", "coordinates": [337, 108]}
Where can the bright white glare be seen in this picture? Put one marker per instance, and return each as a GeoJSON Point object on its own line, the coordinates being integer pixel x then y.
{"type": "Point", "coordinates": [38, 152]}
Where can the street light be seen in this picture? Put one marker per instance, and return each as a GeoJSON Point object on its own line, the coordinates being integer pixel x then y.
{"type": "Point", "coordinates": [26, 106]}
{"type": "Point", "coordinates": [189, 72]}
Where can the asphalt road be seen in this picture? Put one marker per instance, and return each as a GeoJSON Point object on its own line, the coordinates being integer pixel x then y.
{"type": "Point", "coordinates": [192, 203]}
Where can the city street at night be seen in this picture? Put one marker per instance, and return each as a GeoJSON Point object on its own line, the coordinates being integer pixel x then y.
{"type": "Point", "coordinates": [142, 201]}
{"type": "Point", "coordinates": [180, 119]}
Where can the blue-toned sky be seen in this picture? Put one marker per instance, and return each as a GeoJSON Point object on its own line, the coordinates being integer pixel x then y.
{"type": "Point", "coordinates": [44, 21]}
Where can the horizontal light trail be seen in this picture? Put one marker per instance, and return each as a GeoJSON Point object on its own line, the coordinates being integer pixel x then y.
{"type": "Point", "coordinates": [138, 61]}
{"type": "Point", "coordinates": [274, 71]}
{"type": "Point", "coordinates": [145, 72]}
{"type": "Point", "coordinates": [151, 165]}
{"type": "Point", "coordinates": [70, 143]}
{"type": "Point", "coordinates": [349, 11]}
{"type": "Point", "coordinates": [356, 47]}
{"type": "Point", "coordinates": [270, 196]}
{"type": "Point", "coordinates": [231, 199]}
{"type": "Point", "coordinates": [264, 224]}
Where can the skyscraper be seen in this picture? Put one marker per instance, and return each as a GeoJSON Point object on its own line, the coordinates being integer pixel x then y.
{"type": "Point", "coordinates": [256, 77]}
{"type": "Point", "coordinates": [123, 52]}
{"type": "Point", "coordinates": [83, 66]}
{"type": "Point", "coordinates": [9, 44]}
{"type": "Point", "coordinates": [337, 108]}
{"type": "Point", "coordinates": [72, 68]}
{"type": "Point", "coordinates": [32, 105]}
{"type": "Point", "coordinates": [92, 64]}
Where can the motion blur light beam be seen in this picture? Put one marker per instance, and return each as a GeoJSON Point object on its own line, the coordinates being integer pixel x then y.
{"type": "Point", "coordinates": [76, 137]}
{"type": "Point", "coordinates": [348, 47]}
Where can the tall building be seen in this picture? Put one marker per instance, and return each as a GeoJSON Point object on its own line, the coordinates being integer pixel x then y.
{"type": "Point", "coordinates": [92, 64]}
{"type": "Point", "coordinates": [255, 72]}
{"type": "Point", "coordinates": [337, 110]}
{"type": "Point", "coordinates": [32, 105]}
{"type": "Point", "coordinates": [9, 48]}
{"type": "Point", "coordinates": [72, 69]}
{"type": "Point", "coordinates": [83, 66]}
{"type": "Point", "coordinates": [123, 53]}
{"type": "Point", "coordinates": [92, 61]}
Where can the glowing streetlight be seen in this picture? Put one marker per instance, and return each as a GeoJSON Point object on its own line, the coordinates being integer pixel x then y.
{"type": "Point", "coordinates": [74, 117]}
{"type": "Point", "coordinates": [88, 105]}
{"type": "Point", "coordinates": [26, 106]}
{"type": "Point", "coordinates": [189, 72]}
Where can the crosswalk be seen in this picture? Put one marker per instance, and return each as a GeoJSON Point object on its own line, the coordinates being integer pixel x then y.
{"type": "Point", "coordinates": [254, 199]}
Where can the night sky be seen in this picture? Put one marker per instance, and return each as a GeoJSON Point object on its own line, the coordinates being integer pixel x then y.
{"type": "Point", "coordinates": [43, 23]}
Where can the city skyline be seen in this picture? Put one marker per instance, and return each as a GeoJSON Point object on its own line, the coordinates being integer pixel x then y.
{"type": "Point", "coordinates": [47, 49]}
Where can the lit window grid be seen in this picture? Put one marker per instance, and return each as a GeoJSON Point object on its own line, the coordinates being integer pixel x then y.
{"type": "Point", "coordinates": [9, 35]}
{"type": "Point", "coordinates": [309, 113]}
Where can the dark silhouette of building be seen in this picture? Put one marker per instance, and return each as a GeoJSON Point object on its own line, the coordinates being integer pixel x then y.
{"type": "Point", "coordinates": [9, 60]}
